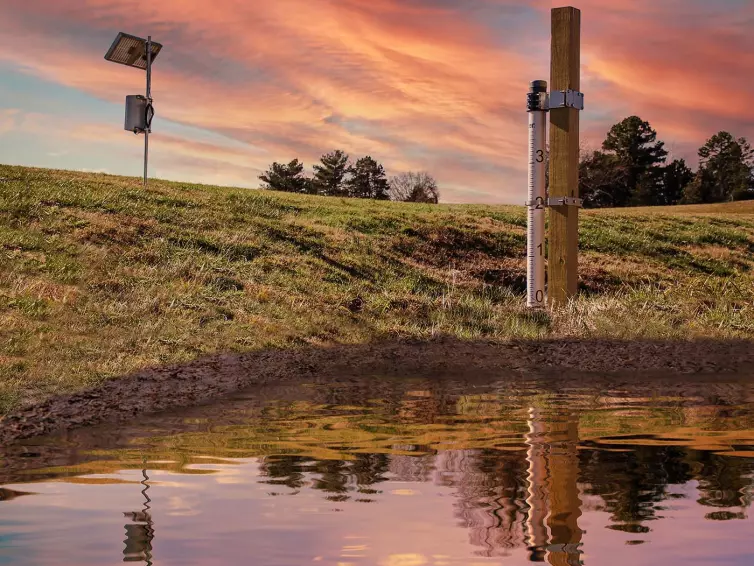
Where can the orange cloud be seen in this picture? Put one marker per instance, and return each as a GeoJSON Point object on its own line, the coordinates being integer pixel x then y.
{"type": "Point", "coordinates": [420, 84]}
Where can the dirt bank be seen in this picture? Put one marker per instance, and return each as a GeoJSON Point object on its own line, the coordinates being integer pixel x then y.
{"type": "Point", "coordinates": [203, 380]}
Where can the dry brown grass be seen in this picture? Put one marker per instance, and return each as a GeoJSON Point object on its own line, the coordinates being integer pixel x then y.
{"type": "Point", "coordinates": [99, 278]}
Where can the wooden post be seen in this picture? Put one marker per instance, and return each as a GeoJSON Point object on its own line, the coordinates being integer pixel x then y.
{"type": "Point", "coordinates": [564, 157]}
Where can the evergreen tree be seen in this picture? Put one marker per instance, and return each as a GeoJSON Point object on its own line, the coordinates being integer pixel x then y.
{"type": "Point", "coordinates": [675, 178]}
{"type": "Point", "coordinates": [368, 180]}
{"type": "Point", "coordinates": [634, 143]}
{"type": "Point", "coordinates": [694, 191]}
{"type": "Point", "coordinates": [726, 165]}
{"type": "Point", "coordinates": [286, 177]}
{"type": "Point", "coordinates": [330, 174]}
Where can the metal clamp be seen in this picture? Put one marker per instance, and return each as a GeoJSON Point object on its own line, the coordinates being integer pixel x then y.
{"type": "Point", "coordinates": [537, 102]}
{"type": "Point", "coordinates": [566, 99]}
{"type": "Point", "coordinates": [565, 201]}
{"type": "Point", "coordinates": [556, 201]}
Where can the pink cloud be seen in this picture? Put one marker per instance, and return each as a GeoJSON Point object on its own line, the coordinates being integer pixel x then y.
{"type": "Point", "coordinates": [414, 83]}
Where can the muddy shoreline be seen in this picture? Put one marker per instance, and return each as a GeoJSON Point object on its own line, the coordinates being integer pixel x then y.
{"type": "Point", "coordinates": [208, 379]}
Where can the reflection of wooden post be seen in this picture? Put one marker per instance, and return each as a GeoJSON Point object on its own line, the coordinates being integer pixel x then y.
{"type": "Point", "coordinates": [554, 502]}
{"type": "Point", "coordinates": [564, 156]}
{"type": "Point", "coordinates": [564, 502]}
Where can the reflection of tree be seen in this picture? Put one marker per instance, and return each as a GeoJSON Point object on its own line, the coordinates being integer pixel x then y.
{"type": "Point", "coordinates": [724, 482]}
{"type": "Point", "coordinates": [490, 486]}
{"type": "Point", "coordinates": [633, 483]}
{"type": "Point", "coordinates": [336, 477]}
{"type": "Point", "coordinates": [406, 468]}
{"type": "Point", "coordinates": [140, 532]}
{"type": "Point", "coordinates": [285, 470]}
{"type": "Point", "coordinates": [9, 494]}
{"type": "Point", "coordinates": [333, 478]}
{"type": "Point", "coordinates": [368, 470]}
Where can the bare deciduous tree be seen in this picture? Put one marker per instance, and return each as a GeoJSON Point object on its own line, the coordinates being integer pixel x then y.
{"type": "Point", "coordinates": [414, 187]}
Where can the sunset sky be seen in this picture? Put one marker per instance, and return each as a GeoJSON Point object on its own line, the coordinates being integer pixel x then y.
{"type": "Point", "coordinates": [436, 85]}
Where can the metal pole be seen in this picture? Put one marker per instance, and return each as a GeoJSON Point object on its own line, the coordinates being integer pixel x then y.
{"type": "Point", "coordinates": [537, 198]}
{"type": "Point", "coordinates": [149, 103]}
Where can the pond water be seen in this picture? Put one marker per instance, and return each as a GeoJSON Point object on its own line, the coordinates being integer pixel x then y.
{"type": "Point", "coordinates": [401, 472]}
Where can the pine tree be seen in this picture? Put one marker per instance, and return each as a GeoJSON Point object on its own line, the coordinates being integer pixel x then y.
{"type": "Point", "coordinates": [330, 175]}
{"type": "Point", "coordinates": [694, 191]}
{"type": "Point", "coordinates": [368, 180]}
{"type": "Point", "coordinates": [286, 177]}
{"type": "Point", "coordinates": [726, 165]}
{"type": "Point", "coordinates": [675, 178]}
{"type": "Point", "coordinates": [634, 143]}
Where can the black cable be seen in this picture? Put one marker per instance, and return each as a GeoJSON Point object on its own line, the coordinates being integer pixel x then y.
{"type": "Point", "coordinates": [149, 114]}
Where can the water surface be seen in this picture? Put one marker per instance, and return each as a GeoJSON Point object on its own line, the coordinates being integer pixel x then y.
{"type": "Point", "coordinates": [401, 472]}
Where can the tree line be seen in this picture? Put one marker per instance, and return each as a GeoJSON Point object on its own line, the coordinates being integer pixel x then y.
{"type": "Point", "coordinates": [632, 169]}
{"type": "Point", "coordinates": [337, 176]}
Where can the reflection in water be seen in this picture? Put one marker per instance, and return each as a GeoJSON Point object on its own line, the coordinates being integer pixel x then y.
{"type": "Point", "coordinates": [8, 494]}
{"type": "Point", "coordinates": [554, 504]}
{"type": "Point", "coordinates": [389, 476]}
{"type": "Point", "coordinates": [140, 532]}
{"type": "Point", "coordinates": [488, 487]}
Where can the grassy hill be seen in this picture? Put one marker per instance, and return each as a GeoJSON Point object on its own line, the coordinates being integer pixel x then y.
{"type": "Point", "coordinates": [99, 277]}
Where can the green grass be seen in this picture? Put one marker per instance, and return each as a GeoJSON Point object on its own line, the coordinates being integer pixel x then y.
{"type": "Point", "coordinates": [99, 277]}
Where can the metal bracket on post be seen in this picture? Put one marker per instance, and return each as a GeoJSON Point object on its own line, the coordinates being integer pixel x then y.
{"type": "Point", "coordinates": [566, 99]}
{"type": "Point", "coordinates": [565, 201]}
{"type": "Point", "coordinates": [555, 201]}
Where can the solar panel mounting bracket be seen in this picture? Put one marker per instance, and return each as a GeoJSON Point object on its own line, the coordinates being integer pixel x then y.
{"type": "Point", "coordinates": [131, 51]}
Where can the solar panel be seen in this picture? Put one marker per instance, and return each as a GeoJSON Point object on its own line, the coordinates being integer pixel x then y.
{"type": "Point", "coordinates": [131, 51]}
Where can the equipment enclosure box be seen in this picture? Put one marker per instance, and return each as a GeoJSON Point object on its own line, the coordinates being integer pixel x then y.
{"type": "Point", "coordinates": [136, 113]}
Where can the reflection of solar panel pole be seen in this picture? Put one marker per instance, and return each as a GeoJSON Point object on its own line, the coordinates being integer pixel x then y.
{"type": "Point", "coordinates": [140, 534]}
{"type": "Point", "coordinates": [139, 53]}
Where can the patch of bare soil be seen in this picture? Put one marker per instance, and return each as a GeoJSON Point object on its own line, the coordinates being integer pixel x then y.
{"type": "Point", "coordinates": [158, 389]}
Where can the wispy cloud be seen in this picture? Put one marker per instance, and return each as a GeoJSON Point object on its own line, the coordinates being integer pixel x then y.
{"type": "Point", "coordinates": [8, 119]}
{"type": "Point", "coordinates": [420, 84]}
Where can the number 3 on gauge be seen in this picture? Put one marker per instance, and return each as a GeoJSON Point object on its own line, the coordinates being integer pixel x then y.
{"type": "Point", "coordinates": [540, 156]}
